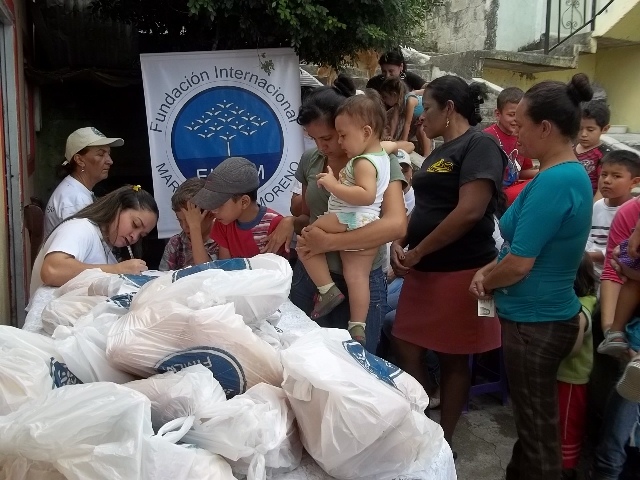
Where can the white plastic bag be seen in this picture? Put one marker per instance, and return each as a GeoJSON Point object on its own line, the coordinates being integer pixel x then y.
{"type": "Point", "coordinates": [101, 431]}
{"type": "Point", "coordinates": [189, 392]}
{"type": "Point", "coordinates": [20, 468]}
{"type": "Point", "coordinates": [255, 431]}
{"type": "Point", "coordinates": [67, 310]}
{"type": "Point", "coordinates": [81, 282]}
{"type": "Point", "coordinates": [256, 286]}
{"type": "Point", "coordinates": [41, 346]}
{"type": "Point", "coordinates": [167, 336]}
{"type": "Point", "coordinates": [83, 346]}
{"type": "Point", "coordinates": [359, 416]}
{"type": "Point", "coordinates": [24, 376]}
{"type": "Point", "coordinates": [124, 284]}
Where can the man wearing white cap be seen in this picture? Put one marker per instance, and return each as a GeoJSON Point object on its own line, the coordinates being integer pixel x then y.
{"type": "Point", "coordinates": [87, 161]}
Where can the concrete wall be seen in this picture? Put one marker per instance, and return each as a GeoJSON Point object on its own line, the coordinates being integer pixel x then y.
{"type": "Point", "coordinates": [612, 16]}
{"type": "Point", "coordinates": [520, 23]}
{"type": "Point", "coordinates": [506, 78]}
{"type": "Point", "coordinates": [461, 25]}
{"type": "Point", "coordinates": [612, 68]}
{"type": "Point", "coordinates": [616, 70]}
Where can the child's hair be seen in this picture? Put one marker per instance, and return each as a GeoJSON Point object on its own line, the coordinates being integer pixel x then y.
{"type": "Point", "coordinates": [509, 95]}
{"type": "Point", "coordinates": [629, 160]}
{"type": "Point", "coordinates": [585, 283]}
{"type": "Point", "coordinates": [253, 196]}
{"type": "Point", "coordinates": [185, 192]}
{"type": "Point", "coordinates": [598, 110]}
{"type": "Point", "coordinates": [367, 108]}
{"type": "Point", "coordinates": [395, 86]}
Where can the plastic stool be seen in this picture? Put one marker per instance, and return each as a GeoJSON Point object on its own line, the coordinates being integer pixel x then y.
{"type": "Point", "coordinates": [497, 381]}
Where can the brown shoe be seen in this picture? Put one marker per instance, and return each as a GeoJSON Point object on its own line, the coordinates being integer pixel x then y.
{"type": "Point", "coordinates": [324, 304]}
{"type": "Point", "coordinates": [357, 333]}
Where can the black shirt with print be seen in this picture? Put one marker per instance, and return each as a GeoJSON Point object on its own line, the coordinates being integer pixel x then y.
{"type": "Point", "coordinates": [472, 156]}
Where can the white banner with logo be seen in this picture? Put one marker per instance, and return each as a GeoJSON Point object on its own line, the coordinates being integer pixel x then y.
{"type": "Point", "coordinates": [204, 107]}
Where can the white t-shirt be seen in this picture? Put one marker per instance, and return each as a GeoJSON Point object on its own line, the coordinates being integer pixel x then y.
{"type": "Point", "coordinates": [600, 223]}
{"type": "Point", "coordinates": [67, 199]}
{"type": "Point", "coordinates": [296, 188]}
{"type": "Point", "coordinates": [78, 237]}
{"type": "Point", "coordinates": [497, 235]}
{"type": "Point", "coordinates": [409, 200]}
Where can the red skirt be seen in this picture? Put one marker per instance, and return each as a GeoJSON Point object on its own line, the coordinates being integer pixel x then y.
{"type": "Point", "coordinates": [437, 312]}
{"type": "Point", "coordinates": [512, 191]}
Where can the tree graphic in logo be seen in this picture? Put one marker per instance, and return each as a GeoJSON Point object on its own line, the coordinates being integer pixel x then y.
{"type": "Point", "coordinates": [223, 121]}
{"type": "Point", "coordinates": [226, 121]}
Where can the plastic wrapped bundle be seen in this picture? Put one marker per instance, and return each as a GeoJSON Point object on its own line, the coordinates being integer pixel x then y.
{"type": "Point", "coordinates": [256, 286]}
{"type": "Point", "coordinates": [42, 347]}
{"type": "Point", "coordinates": [189, 392]}
{"type": "Point", "coordinates": [359, 416]}
{"type": "Point", "coordinates": [100, 431]}
{"type": "Point", "coordinates": [24, 376]}
{"type": "Point", "coordinates": [167, 336]}
{"type": "Point", "coordinates": [255, 431]}
{"type": "Point", "coordinates": [67, 309]}
{"type": "Point", "coordinates": [83, 346]}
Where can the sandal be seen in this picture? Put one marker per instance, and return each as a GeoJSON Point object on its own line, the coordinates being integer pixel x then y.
{"type": "Point", "coordinates": [614, 343]}
{"type": "Point", "coordinates": [629, 385]}
{"type": "Point", "coordinates": [324, 304]}
{"type": "Point", "coordinates": [357, 333]}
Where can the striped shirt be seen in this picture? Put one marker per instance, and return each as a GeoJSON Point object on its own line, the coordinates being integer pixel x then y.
{"type": "Point", "coordinates": [600, 224]}
{"type": "Point", "coordinates": [246, 239]}
{"type": "Point", "coordinates": [179, 254]}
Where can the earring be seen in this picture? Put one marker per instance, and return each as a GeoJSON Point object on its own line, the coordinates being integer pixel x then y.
{"type": "Point", "coordinates": [403, 76]}
{"type": "Point", "coordinates": [447, 125]}
{"type": "Point", "coordinates": [83, 167]}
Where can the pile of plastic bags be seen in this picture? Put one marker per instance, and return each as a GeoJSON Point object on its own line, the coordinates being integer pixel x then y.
{"type": "Point", "coordinates": [186, 375]}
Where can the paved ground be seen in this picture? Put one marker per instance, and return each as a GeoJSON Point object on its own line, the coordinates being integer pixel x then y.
{"type": "Point", "coordinates": [483, 439]}
{"type": "Point", "coordinates": [485, 436]}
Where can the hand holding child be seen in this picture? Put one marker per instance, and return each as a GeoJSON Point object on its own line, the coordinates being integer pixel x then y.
{"type": "Point", "coordinates": [633, 248]}
{"type": "Point", "coordinates": [411, 258]}
{"type": "Point", "coordinates": [397, 257]}
{"type": "Point", "coordinates": [623, 271]}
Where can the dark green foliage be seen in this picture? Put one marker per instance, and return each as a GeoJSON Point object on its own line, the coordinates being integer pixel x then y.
{"type": "Point", "coordinates": [321, 31]}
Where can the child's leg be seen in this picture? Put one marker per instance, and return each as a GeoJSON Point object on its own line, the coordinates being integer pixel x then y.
{"type": "Point", "coordinates": [356, 267]}
{"type": "Point", "coordinates": [615, 341]}
{"type": "Point", "coordinates": [316, 265]}
{"type": "Point", "coordinates": [572, 409]}
{"type": "Point", "coordinates": [628, 300]}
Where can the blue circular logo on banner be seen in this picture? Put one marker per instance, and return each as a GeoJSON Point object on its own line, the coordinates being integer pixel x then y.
{"type": "Point", "coordinates": [223, 122]}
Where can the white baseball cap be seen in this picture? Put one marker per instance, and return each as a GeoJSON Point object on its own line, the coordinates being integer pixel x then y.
{"type": "Point", "coordinates": [87, 137]}
{"type": "Point", "coordinates": [403, 157]}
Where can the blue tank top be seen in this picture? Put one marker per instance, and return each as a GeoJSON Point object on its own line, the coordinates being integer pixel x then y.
{"type": "Point", "coordinates": [419, 108]}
